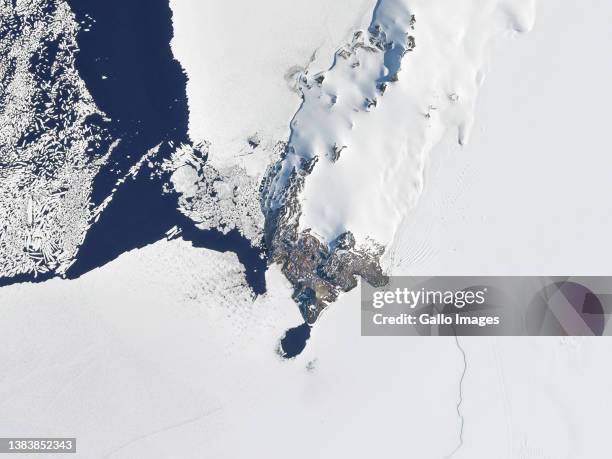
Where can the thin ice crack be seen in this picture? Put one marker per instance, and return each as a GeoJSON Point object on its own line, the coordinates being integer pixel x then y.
{"type": "Point", "coordinates": [460, 400]}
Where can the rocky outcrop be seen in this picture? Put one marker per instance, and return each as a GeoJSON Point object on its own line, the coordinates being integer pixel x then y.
{"type": "Point", "coordinates": [317, 270]}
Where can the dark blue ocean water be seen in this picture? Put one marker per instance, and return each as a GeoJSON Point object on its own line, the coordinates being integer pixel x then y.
{"type": "Point", "coordinates": [128, 67]}
{"type": "Point", "coordinates": [294, 341]}
{"type": "Point", "coordinates": [127, 64]}
{"type": "Point", "coordinates": [140, 214]}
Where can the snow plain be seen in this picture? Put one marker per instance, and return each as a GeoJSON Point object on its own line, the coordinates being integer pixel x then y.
{"type": "Point", "coordinates": [530, 193]}
{"type": "Point", "coordinates": [162, 353]}
{"type": "Point", "coordinates": [175, 361]}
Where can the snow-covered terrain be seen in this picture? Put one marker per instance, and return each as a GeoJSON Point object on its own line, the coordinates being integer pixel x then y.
{"type": "Point", "coordinates": [385, 128]}
{"type": "Point", "coordinates": [164, 352]}
{"type": "Point", "coordinates": [243, 90]}
{"type": "Point", "coordinates": [530, 193]}
{"type": "Point", "coordinates": [372, 146]}
{"type": "Point", "coordinates": [386, 138]}
{"type": "Point", "coordinates": [243, 58]}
